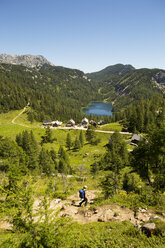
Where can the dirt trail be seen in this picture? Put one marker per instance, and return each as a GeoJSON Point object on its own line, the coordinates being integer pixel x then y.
{"type": "Point", "coordinates": [70, 208]}
{"type": "Point", "coordinates": [13, 120]}
{"type": "Point", "coordinates": [82, 128]}
{"type": "Point", "coordinates": [113, 212]}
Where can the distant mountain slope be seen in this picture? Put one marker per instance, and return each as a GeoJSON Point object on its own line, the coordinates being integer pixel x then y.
{"type": "Point", "coordinates": [117, 69]}
{"type": "Point", "coordinates": [133, 86]}
{"type": "Point", "coordinates": [54, 92]}
{"type": "Point", "coordinates": [26, 60]}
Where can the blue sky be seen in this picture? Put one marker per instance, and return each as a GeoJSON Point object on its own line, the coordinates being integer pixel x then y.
{"type": "Point", "coordinates": [86, 34]}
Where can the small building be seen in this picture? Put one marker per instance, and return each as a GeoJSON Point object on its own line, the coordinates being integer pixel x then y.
{"type": "Point", "coordinates": [47, 123]}
{"type": "Point", "coordinates": [93, 123]}
{"type": "Point", "coordinates": [100, 122]}
{"type": "Point", "coordinates": [56, 123]}
{"type": "Point", "coordinates": [84, 121]}
{"type": "Point", "coordinates": [70, 123]}
{"type": "Point", "coordinates": [136, 138]}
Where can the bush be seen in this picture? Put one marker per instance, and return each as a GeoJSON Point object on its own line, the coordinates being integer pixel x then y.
{"type": "Point", "coordinates": [59, 195]}
{"type": "Point", "coordinates": [132, 182]}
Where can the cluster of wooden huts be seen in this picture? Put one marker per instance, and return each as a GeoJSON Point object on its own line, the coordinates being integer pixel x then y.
{"type": "Point", "coordinates": [71, 123]}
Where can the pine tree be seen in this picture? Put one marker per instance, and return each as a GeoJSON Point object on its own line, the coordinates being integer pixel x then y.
{"type": "Point", "coordinates": [53, 154]}
{"type": "Point", "coordinates": [53, 157]}
{"type": "Point", "coordinates": [47, 138]}
{"type": "Point", "coordinates": [77, 144]}
{"type": "Point", "coordinates": [81, 138]}
{"type": "Point", "coordinates": [64, 164]}
{"type": "Point", "coordinates": [68, 141]}
{"type": "Point", "coordinates": [90, 135]}
{"type": "Point", "coordinates": [19, 139]}
{"type": "Point", "coordinates": [33, 152]}
{"type": "Point", "coordinates": [46, 162]}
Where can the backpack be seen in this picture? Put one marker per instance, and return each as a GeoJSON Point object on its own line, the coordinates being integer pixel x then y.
{"type": "Point", "coordinates": [81, 193]}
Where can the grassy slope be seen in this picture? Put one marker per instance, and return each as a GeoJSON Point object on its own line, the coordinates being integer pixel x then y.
{"type": "Point", "coordinates": [111, 127]}
{"type": "Point", "coordinates": [8, 129]}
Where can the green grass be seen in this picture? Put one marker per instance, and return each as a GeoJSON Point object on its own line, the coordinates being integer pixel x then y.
{"type": "Point", "coordinates": [77, 157]}
{"type": "Point", "coordinates": [8, 129]}
{"type": "Point", "coordinates": [111, 127]}
{"type": "Point", "coordinates": [71, 234]}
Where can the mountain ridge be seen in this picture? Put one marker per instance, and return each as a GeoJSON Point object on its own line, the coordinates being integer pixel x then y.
{"type": "Point", "coordinates": [31, 61]}
{"type": "Point", "coordinates": [117, 69]}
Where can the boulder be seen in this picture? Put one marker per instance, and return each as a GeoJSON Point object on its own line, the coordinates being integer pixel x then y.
{"type": "Point", "coordinates": [149, 228]}
{"type": "Point", "coordinates": [155, 217]}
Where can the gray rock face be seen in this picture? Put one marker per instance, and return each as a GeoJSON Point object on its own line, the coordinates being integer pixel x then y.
{"type": "Point", "coordinates": [26, 60]}
{"type": "Point", "coordinates": [159, 80]}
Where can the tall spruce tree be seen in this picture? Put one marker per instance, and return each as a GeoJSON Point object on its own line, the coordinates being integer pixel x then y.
{"type": "Point", "coordinates": [77, 144]}
{"type": "Point", "coordinates": [46, 163]}
{"type": "Point", "coordinates": [81, 138]}
{"type": "Point", "coordinates": [68, 141]}
{"type": "Point", "coordinates": [90, 135]}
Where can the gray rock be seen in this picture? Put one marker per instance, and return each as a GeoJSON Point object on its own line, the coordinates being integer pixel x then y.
{"type": "Point", "coordinates": [143, 210]}
{"type": "Point", "coordinates": [26, 60]}
{"type": "Point", "coordinates": [155, 217]}
{"type": "Point", "coordinates": [149, 228]}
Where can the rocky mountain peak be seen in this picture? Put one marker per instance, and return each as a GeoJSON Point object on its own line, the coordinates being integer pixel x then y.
{"type": "Point", "coordinates": [31, 61]}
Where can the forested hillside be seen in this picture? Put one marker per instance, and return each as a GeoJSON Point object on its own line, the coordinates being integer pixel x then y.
{"type": "Point", "coordinates": [131, 87]}
{"type": "Point", "coordinates": [53, 92]}
{"type": "Point", "coordinates": [117, 69]}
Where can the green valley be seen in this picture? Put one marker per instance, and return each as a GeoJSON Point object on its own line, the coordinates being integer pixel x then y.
{"type": "Point", "coordinates": [119, 159]}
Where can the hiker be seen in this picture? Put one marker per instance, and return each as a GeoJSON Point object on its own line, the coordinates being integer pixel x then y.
{"type": "Point", "coordinates": [83, 195]}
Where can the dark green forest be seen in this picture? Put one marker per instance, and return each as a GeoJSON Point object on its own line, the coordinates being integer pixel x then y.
{"type": "Point", "coordinates": [53, 92]}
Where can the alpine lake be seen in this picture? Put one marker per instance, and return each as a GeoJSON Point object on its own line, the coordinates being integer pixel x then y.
{"type": "Point", "coordinates": [98, 108]}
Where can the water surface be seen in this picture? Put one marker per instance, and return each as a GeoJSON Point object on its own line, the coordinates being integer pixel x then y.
{"type": "Point", "coordinates": [98, 108]}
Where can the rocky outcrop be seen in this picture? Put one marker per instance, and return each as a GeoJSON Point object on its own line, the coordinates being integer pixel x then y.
{"type": "Point", "coordinates": [159, 80]}
{"type": "Point", "coordinates": [26, 60]}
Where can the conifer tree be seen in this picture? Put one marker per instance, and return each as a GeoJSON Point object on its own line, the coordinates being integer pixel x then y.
{"type": "Point", "coordinates": [47, 138]}
{"type": "Point", "coordinates": [68, 141]}
{"type": "Point", "coordinates": [90, 135]}
{"type": "Point", "coordinates": [77, 144]}
{"type": "Point", "coordinates": [81, 138]}
{"type": "Point", "coordinates": [53, 154]}
{"type": "Point", "coordinates": [46, 162]}
{"type": "Point", "coordinates": [19, 139]}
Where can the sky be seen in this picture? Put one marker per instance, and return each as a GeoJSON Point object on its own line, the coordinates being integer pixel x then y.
{"type": "Point", "coordinates": [88, 35]}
